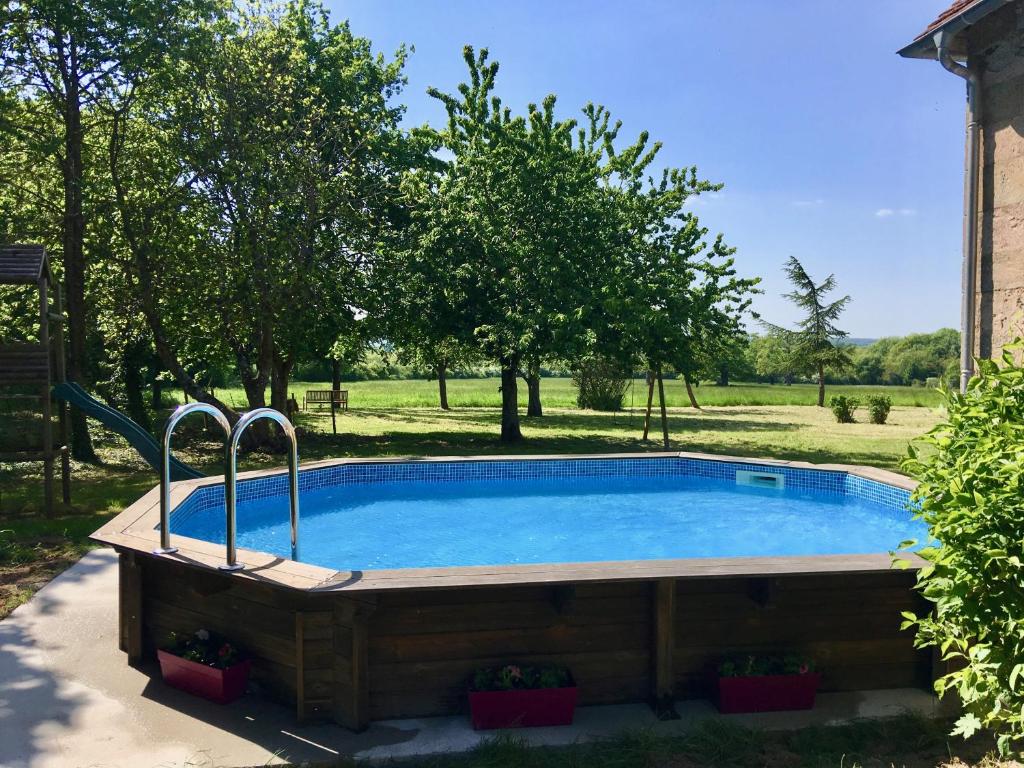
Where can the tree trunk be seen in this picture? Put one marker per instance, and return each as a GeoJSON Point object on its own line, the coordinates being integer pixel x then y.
{"type": "Point", "coordinates": [664, 413]}
{"type": "Point", "coordinates": [157, 396]}
{"type": "Point", "coordinates": [650, 404]}
{"type": "Point", "coordinates": [510, 432]}
{"type": "Point", "coordinates": [442, 384]}
{"type": "Point", "coordinates": [723, 376]}
{"type": "Point", "coordinates": [335, 374]}
{"type": "Point", "coordinates": [821, 386]}
{"type": "Point", "coordinates": [279, 377]}
{"type": "Point", "coordinates": [532, 377]}
{"type": "Point", "coordinates": [135, 356]}
{"type": "Point", "coordinates": [689, 392]}
{"type": "Point", "coordinates": [74, 254]}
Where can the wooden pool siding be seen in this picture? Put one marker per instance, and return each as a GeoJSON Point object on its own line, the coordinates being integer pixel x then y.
{"type": "Point", "coordinates": [355, 658]}
{"type": "Point", "coordinates": [358, 646]}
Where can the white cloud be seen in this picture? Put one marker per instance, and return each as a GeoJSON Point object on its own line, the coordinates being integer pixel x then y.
{"type": "Point", "coordinates": [885, 213]}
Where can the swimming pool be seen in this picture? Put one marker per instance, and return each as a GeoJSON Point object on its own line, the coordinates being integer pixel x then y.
{"type": "Point", "coordinates": [372, 516]}
{"type": "Point", "coordinates": [635, 571]}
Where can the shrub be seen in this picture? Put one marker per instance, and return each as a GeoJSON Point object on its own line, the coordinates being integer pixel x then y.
{"type": "Point", "coordinates": [879, 407]}
{"type": "Point", "coordinates": [971, 496]}
{"type": "Point", "coordinates": [600, 384]}
{"type": "Point", "coordinates": [843, 408]}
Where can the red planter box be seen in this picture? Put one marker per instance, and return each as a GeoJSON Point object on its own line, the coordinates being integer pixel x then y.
{"type": "Point", "coordinates": [522, 708]}
{"type": "Point", "coordinates": [218, 685]}
{"type": "Point", "coordinates": [764, 693]}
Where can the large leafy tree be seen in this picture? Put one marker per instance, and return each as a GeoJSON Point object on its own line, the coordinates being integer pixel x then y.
{"type": "Point", "coordinates": [277, 163]}
{"type": "Point", "coordinates": [672, 296]}
{"type": "Point", "coordinates": [508, 232]}
{"type": "Point", "coordinates": [814, 346]}
{"type": "Point", "coordinates": [65, 61]}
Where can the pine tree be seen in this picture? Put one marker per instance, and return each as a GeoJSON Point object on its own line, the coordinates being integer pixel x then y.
{"type": "Point", "coordinates": [813, 346]}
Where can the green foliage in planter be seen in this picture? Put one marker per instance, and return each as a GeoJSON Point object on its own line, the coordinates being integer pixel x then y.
{"type": "Point", "coordinates": [972, 498]}
{"type": "Point", "coordinates": [205, 648]}
{"type": "Point", "coordinates": [520, 677]}
{"type": "Point", "coordinates": [879, 407]}
{"type": "Point", "coordinates": [756, 666]}
{"type": "Point", "coordinates": [843, 408]}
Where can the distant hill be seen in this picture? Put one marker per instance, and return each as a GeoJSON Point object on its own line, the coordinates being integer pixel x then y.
{"type": "Point", "coordinates": [858, 342]}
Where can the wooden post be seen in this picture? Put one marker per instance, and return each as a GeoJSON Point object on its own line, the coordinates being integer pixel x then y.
{"type": "Point", "coordinates": [663, 678]}
{"type": "Point", "coordinates": [650, 402]}
{"type": "Point", "coordinates": [62, 407]}
{"type": "Point", "coordinates": [351, 663]}
{"type": "Point", "coordinates": [130, 607]}
{"type": "Point", "coordinates": [664, 414]}
{"type": "Point", "coordinates": [44, 341]}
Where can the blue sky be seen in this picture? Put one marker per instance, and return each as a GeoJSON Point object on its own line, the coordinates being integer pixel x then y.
{"type": "Point", "coordinates": [831, 147]}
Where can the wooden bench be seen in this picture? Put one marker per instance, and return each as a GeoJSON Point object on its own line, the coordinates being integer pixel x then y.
{"type": "Point", "coordinates": [337, 397]}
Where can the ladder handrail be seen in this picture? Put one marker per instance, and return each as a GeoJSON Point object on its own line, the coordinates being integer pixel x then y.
{"type": "Point", "coordinates": [165, 464]}
{"type": "Point", "coordinates": [231, 481]}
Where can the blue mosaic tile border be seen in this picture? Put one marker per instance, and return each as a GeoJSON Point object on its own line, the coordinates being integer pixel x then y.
{"type": "Point", "coordinates": [827, 481]}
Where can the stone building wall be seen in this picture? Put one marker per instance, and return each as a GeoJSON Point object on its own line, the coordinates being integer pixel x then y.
{"type": "Point", "coordinates": [996, 46]}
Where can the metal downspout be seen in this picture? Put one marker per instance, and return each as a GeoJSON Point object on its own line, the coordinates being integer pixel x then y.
{"type": "Point", "coordinates": [970, 244]}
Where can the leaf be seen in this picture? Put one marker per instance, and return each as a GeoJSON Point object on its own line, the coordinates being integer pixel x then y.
{"type": "Point", "coordinates": [967, 726]}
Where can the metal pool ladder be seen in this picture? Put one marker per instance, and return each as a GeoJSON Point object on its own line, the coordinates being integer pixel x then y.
{"type": "Point", "coordinates": [231, 480]}
{"type": "Point", "coordinates": [177, 415]}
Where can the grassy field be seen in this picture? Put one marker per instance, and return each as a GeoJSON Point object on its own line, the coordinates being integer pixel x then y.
{"type": "Point", "coordinates": [560, 393]}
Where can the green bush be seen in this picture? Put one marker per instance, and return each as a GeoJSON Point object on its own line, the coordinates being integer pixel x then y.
{"type": "Point", "coordinates": [972, 498]}
{"type": "Point", "coordinates": [843, 408]}
{"type": "Point", "coordinates": [879, 407]}
{"type": "Point", "coordinates": [600, 384]}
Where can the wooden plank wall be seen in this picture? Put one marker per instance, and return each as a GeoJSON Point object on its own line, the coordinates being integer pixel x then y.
{"type": "Point", "coordinates": [411, 653]}
{"type": "Point", "coordinates": [424, 646]}
{"type": "Point", "coordinates": [849, 624]}
{"type": "Point", "coordinates": [260, 618]}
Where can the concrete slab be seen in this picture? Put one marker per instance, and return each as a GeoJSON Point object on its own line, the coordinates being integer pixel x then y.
{"type": "Point", "coordinates": [68, 699]}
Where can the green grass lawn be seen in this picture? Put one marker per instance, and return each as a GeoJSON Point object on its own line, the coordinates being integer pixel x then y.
{"type": "Point", "coordinates": [903, 742]}
{"type": "Point", "coordinates": [560, 393]}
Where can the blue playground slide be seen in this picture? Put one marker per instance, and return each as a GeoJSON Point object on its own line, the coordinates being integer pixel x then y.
{"type": "Point", "coordinates": [137, 437]}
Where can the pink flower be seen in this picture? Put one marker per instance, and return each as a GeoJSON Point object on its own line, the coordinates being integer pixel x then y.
{"type": "Point", "coordinates": [515, 671]}
{"type": "Point", "coordinates": [804, 669]}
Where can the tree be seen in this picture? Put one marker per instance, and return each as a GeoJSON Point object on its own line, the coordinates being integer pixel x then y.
{"type": "Point", "coordinates": [252, 187]}
{"type": "Point", "coordinates": [508, 231]}
{"type": "Point", "coordinates": [672, 297]}
{"type": "Point", "coordinates": [772, 358]}
{"type": "Point", "coordinates": [813, 346]}
{"type": "Point", "coordinates": [66, 59]}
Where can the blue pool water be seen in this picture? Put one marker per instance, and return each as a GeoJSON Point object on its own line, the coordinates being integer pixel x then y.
{"type": "Point", "coordinates": [492, 521]}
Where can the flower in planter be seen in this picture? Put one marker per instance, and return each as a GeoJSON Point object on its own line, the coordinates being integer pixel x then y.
{"type": "Point", "coordinates": [204, 647]}
{"type": "Point", "coordinates": [758, 666]}
{"type": "Point", "coordinates": [520, 677]}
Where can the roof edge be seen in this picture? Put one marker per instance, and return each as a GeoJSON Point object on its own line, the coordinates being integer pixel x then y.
{"type": "Point", "coordinates": [923, 47]}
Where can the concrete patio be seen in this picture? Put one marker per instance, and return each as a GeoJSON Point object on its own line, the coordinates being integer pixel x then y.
{"type": "Point", "coordinates": [67, 698]}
